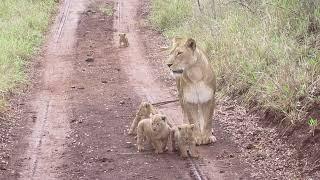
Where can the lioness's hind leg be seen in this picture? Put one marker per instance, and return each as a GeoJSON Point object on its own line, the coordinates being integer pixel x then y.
{"type": "Point", "coordinates": [206, 135]}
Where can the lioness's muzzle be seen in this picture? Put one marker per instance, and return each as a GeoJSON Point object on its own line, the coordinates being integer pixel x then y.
{"type": "Point", "coordinates": [180, 71]}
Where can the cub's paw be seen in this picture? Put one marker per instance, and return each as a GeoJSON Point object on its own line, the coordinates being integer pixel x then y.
{"type": "Point", "coordinates": [184, 156]}
{"type": "Point", "coordinates": [165, 149]}
{"type": "Point", "coordinates": [195, 154]}
{"type": "Point", "coordinates": [158, 151]}
{"type": "Point", "coordinates": [140, 148]}
{"type": "Point", "coordinates": [130, 132]}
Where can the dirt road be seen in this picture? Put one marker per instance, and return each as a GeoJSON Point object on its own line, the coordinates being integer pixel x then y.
{"type": "Point", "coordinates": [86, 95]}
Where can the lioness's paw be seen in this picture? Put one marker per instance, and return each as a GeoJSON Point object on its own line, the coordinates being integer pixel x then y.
{"type": "Point", "coordinates": [198, 141]}
{"type": "Point", "coordinates": [209, 139]}
{"type": "Point", "coordinates": [213, 139]}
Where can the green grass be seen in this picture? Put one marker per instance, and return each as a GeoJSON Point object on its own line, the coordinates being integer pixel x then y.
{"type": "Point", "coordinates": [22, 25]}
{"type": "Point", "coordinates": [266, 53]}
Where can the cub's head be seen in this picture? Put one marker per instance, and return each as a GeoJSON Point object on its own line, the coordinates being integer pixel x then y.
{"type": "Point", "coordinates": [145, 109]}
{"type": "Point", "coordinates": [186, 132]}
{"type": "Point", "coordinates": [181, 55]}
{"type": "Point", "coordinates": [158, 122]}
{"type": "Point", "coordinates": [122, 35]}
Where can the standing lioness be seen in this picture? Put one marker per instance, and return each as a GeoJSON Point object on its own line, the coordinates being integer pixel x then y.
{"type": "Point", "coordinates": [196, 83]}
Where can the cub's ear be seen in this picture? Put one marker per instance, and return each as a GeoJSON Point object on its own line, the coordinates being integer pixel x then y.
{"type": "Point", "coordinates": [191, 43]}
{"type": "Point", "coordinates": [179, 128]}
{"type": "Point", "coordinates": [163, 118]}
{"type": "Point", "coordinates": [191, 126]}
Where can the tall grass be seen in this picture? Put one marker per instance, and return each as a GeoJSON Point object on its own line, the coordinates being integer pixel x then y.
{"type": "Point", "coordinates": [22, 24]}
{"type": "Point", "coordinates": [266, 53]}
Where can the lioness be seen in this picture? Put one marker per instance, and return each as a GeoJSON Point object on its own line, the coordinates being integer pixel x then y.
{"type": "Point", "coordinates": [145, 111]}
{"type": "Point", "coordinates": [196, 83]}
{"type": "Point", "coordinates": [154, 130]}
{"type": "Point", "coordinates": [183, 140]}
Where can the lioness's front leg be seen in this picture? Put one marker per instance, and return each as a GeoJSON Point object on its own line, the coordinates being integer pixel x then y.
{"type": "Point", "coordinates": [182, 103]}
{"type": "Point", "coordinates": [193, 118]}
{"type": "Point", "coordinates": [206, 134]}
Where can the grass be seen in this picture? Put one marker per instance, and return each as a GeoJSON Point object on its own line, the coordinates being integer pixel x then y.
{"type": "Point", "coordinates": [266, 53]}
{"type": "Point", "coordinates": [22, 25]}
{"type": "Point", "coordinates": [107, 9]}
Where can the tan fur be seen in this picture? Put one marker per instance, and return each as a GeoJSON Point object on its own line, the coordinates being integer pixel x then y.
{"type": "Point", "coordinates": [154, 130]}
{"type": "Point", "coordinates": [196, 84]}
{"type": "Point", "coordinates": [183, 140]}
{"type": "Point", "coordinates": [123, 40]}
{"type": "Point", "coordinates": [145, 111]}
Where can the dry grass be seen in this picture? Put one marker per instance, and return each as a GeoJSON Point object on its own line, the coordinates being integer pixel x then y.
{"type": "Point", "coordinates": [265, 52]}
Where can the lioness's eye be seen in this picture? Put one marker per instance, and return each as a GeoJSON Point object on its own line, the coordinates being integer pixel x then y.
{"type": "Point", "coordinates": [179, 53]}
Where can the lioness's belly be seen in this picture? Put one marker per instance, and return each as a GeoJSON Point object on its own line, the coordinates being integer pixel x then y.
{"type": "Point", "coordinates": [197, 93]}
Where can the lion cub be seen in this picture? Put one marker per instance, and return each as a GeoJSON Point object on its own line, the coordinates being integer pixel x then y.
{"type": "Point", "coordinates": [154, 130]}
{"type": "Point", "coordinates": [183, 138]}
{"type": "Point", "coordinates": [145, 111]}
{"type": "Point", "coordinates": [123, 40]}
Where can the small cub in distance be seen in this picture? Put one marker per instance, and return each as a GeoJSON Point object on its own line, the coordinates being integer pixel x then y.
{"type": "Point", "coordinates": [183, 140]}
{"type": "Point", "coordinates": [123, 40]}
{"type": "Point", "coordinates": [145, 111]}
{"type": "Point", "coordinates": [154, 130]}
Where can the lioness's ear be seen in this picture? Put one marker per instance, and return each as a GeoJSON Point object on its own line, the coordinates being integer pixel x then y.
{"type": "Point", "coordinates": [176, 39]}
{"type": "Point", "coordinates": [191, 43]}
{"type": "Point", "coordinates": [163, 118]}
{"type": "Point", "coordinates": [164, 48]}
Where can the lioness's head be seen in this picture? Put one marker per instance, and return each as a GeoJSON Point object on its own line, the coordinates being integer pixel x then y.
{"type": "Point", "coordinates": [186, 132]}
{"type": "Point", "coordinates": [158, 122]}
{"type": "Point", "coordinates": [181, 55]}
